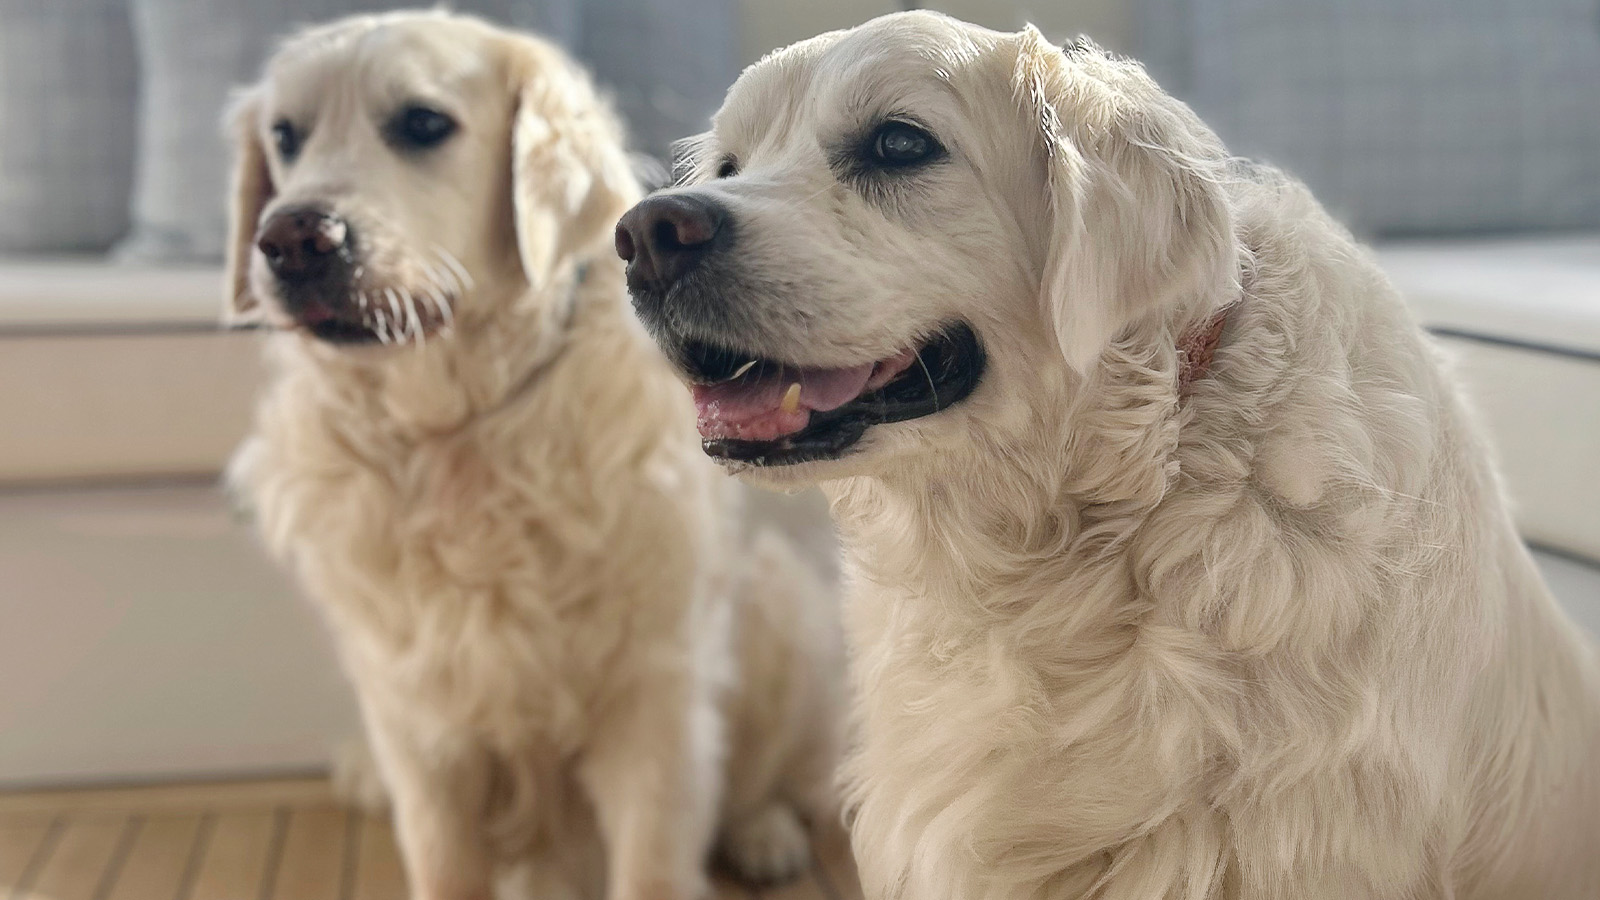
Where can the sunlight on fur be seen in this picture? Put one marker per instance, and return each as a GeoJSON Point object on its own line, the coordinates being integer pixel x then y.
{"type": "Point", "coordinates": [1272, 636]}
{"type": "Point", "coordinates": [578, 662]}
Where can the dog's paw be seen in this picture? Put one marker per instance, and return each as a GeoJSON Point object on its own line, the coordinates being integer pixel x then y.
{"type": "Point", "coordinates": [768, 846]}
{"type": "Point", "coordinates": [357, 783]}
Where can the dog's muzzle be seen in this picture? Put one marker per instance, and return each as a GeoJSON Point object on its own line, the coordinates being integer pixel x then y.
{"type": "Point", "coordinates": [304, 244]}
{"type": "Point", "coordinates": [769, 408]}
{"type": "Point", "coordinates": [311, 253]}
{"type": "Point", "coordinates": [665, 237]}
{"type": "Point", "coordinates": [676, 246]}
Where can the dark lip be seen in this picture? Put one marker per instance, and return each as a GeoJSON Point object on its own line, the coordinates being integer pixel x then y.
{"type": "Point", "coordinates": [341, 331]}
{"type": "Point", "coordinates": [321, 311]}
{"type": "Point", "coordinates": [953, 363]}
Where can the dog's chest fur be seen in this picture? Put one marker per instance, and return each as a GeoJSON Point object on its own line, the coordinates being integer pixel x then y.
{"type": "Point", "coordinates": [469, 575]}
{"type": "Point", "coordinates": [989, 743]}
{"type": "Point", "coordinates": [1062, 724]}
{"type": "Point", "coordinates": [1274, 677]}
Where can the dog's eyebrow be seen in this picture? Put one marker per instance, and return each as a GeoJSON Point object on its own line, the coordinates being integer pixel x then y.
{"type": "Point", "coordinates": [878, 95]}
{"type": "Point", "coordinates": [763, 106]}
{"type": "Point", "coordinates": [689, 154]}
{"type": "Point", "coordinates": [866, 98]}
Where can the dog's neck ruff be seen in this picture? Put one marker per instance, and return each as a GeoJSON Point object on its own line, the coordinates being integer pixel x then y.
{"type": "Point", "coordinates": [1197, 346]}
{"type": "Point", "coordinates": [557, 344]}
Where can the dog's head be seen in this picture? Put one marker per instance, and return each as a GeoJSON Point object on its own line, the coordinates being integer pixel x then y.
{"type": "Point", "coordinates": [919, 222]}
{"type": "Point", "coordinates": [392, 169]}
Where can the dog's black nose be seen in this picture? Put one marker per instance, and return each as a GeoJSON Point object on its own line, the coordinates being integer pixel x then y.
{"type": "Point", "coordinates": [663, 237]}
{"type": "Point", "coordinates": [299, 242]}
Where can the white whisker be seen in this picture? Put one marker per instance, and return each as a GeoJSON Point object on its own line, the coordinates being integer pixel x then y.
{"type": "Point", "coordinates": [445, 278]}
{"type": "Point", "coordinates": [447, 310]}
{"type": "Point", "coordinates": [451, 281]}
{"type": "Point", "coordinates": [414, 318]}
{"type": "Point", "coordinates": [435, 282]}
{"type": "Point", "coordinates": [404, 316]}
{"type": "Point", "coordinates": [928, 375]}
{"type": "Point", "coordinates": [394, 307]}
{"type": "Point", "coordinates": [462, 276]}
{"type": "Point", "coordinates": [439, 306]}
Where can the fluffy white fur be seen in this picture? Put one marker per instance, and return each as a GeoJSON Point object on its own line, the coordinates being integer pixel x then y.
{"type": "Point", "coordinates": [1272, 637]}
{"type": "Point", "coordinates": [571, 659]}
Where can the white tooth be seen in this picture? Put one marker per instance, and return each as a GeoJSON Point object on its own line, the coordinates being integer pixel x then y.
{"type": "Point", "coordinates": [791, 398]}
{"type": "Point", "coordinates": [741, 370]}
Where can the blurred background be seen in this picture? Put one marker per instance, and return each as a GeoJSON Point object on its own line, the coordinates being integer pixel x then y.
{"type": "Point", "coordinates": [143, 636]}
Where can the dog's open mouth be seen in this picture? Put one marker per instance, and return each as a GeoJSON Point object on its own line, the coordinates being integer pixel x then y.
{"type": "Point", "coordinates": [335, 331]}
{"type": "Point", "coordinates": [764, 412]}
{"type": "Point", "coordinates": [369, 324]}
{"type": "Point", "coordinates": [327, 324]}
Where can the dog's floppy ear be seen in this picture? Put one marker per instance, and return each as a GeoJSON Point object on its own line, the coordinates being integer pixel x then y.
{"type": "Point", "coordinates": [570, 178]}
{"type": "Point", "coordinates": [252, 191]}
{"type": "Point", "coordinates": [1139, 219]}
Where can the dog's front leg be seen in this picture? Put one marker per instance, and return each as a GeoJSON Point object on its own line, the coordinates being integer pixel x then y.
{"type": "Point", "coordinates": [652, 771]}
{"type": "Point", "coordinates": [438, 794]}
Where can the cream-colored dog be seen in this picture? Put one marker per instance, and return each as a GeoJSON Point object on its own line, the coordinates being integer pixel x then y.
{"type": "Point", "coordinates": [568, 655]}
{"type": "Point", "coordinates": [1180, 570]}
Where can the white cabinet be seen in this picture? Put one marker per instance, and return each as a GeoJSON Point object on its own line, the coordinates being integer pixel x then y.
{"type": "Point", "coordinates": [143, 634]}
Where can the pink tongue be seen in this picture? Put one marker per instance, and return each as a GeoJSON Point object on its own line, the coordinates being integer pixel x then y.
{"type": "Point", "coordinates": [315, 314]}
{"type": "Point", "coordinates": [747, 410]}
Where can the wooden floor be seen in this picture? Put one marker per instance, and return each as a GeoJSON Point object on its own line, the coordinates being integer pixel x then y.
{"type": "Point", "coordinates": [260, 840]}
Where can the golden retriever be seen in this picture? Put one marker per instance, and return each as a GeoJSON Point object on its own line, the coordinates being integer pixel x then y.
{"type": "Point", "coordinates": [1179, 568]}
{"type": "Point", "coordinates": [571, 659]}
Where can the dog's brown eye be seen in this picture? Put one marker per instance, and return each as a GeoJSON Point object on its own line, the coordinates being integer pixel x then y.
{"type": "Point", "coordinates": [285, 139]}
{"type": "Point", "coordinates": [902, 144]}
{"type": "Point", "coordinates": [418, 128]}
{"type": "Point", "coordinates": [728, 168]}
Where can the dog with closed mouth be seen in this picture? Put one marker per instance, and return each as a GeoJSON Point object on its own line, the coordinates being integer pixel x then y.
{"type": "Point", "coordinates": [578, 665]}
{"type": "Point", "coordinates": [1179, 568]}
